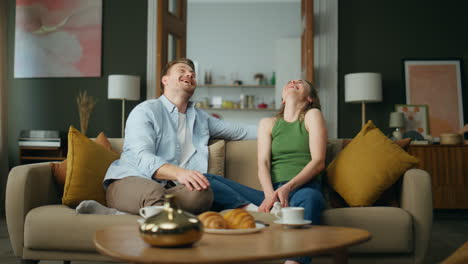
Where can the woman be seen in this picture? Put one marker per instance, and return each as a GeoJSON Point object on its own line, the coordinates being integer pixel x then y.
{"type": "Point", "coordinates": [291, 156]}
{"type": "Point", "coordinates": [291, 153]}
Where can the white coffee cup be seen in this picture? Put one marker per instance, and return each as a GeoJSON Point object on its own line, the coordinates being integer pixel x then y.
{"type": "Point", "coordinates": [149, 211]}
{"type": "Point", "coordinates": [291, 215]}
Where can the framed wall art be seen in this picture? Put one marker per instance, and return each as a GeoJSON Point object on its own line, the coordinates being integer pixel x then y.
{"type": "Point", "coordinates": [58, 38]}
{"type": "Point", "coordinates": [416, 118]}
{"type": "Point", "coordinates": [437, 84]}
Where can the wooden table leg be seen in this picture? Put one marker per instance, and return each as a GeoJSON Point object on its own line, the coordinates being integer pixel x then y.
{"type": "Point", "coordinates": [340, 256]}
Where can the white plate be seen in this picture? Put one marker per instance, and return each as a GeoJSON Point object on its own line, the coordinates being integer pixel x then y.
{"type": "Point", "coordinates": [305, 222]}
{"type": "Point", "coordinates": [257, 228]}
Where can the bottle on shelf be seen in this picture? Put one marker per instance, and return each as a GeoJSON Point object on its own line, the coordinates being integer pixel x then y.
{"type": "Point", "coordinates": [273, 79]}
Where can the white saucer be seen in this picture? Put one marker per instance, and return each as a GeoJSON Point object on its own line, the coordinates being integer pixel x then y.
{"type": "Point", "coordinates": [258, 227]}
{"type": "Point", "coordinates": [305, 222]}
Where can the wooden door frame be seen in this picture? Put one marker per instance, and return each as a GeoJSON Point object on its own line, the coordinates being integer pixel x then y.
{"type": "Point", "coordinates": [307, 39]}
{"type": "Point", "coordinates": [176, 25]}
{"type": "Point", "coordinates": [154, 83]}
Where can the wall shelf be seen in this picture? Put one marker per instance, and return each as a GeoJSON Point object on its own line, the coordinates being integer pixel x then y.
{"type": "Point", "coordinates": [235, 86]}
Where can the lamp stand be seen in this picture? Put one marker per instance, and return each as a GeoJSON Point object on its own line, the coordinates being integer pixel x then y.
{"type": "Point", "coordinates": [397, 134]}
{"type": "Point", "coordinates": [123, 117]}
{"type": "Point", "coordinates": [363, 113]}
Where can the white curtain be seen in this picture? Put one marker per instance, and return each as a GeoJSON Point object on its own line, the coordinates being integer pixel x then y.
{"type": "Point", "coordinates": [326, 60]}
{"type": "Point", "coordinates": [3, 106]}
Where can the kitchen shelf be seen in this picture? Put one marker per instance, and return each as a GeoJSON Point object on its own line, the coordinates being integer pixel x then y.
{"type": "Point", "coordinates": [235, 86]}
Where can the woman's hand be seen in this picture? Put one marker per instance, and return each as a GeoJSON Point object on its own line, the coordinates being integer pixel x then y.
{"type": "Point", "coordinates": [282, 193]}
{"type": "Point", "coordinates": [267, 203]}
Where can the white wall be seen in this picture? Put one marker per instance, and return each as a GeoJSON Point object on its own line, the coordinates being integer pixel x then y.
{"type": "Point", "coordinates": [238, 39]}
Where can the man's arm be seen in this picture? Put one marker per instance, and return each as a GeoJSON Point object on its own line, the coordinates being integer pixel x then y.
{"type": "Point", "coordinates": [143, 137]}
{"type": "Point", "coordinates": [190, 178]}
{"type": "Point", "coordinates": [230, 131]}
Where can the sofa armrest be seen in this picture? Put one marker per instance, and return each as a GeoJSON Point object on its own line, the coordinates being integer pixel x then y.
{"type": "Point", "coordinates": [416, 198]}
{"type": "Point", "coordinates": [28, 186]}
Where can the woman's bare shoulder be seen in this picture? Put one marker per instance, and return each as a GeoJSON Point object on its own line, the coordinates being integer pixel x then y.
{"type": "Point", "coordinates": [314, 112]}
{"type": "Point", "coordinates": [314, 119]}
{"type": "Point", "coordinates": [267, 121]}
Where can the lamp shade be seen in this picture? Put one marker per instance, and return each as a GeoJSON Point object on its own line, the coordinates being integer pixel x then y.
{"type": "Point", "coordinates": [123, 87]}
{"type": "Point", "coordinates": [363, 87]}
{"type": "Point", "coordinates": [397, 119]}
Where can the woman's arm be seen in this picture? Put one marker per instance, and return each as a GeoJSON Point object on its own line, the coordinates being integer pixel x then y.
{"type": "Point", "coordinates": [315, 125]}
{"type": "Point", "coordinates": [264, 162]}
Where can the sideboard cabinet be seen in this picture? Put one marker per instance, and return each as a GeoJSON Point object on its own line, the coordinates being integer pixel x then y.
{"type": "Point", "coordinates": [448, 167]}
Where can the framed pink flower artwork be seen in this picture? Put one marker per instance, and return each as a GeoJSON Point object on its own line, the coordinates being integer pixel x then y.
{"type": "Point", "coordinates": [437, 84]}
{"type": "Point", "coordinates": [58, 38]}
{"type": "Point", "coordinates": [416, 118]}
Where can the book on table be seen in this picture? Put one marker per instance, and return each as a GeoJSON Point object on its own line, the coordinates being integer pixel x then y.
{"type": "Point", "coordinates": [39, 143]}
{"type": "Point", "coordinates": [39, 138]}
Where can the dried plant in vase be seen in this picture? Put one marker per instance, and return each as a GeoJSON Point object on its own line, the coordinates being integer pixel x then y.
{"type": "Point", "coordinates": [86, 105]}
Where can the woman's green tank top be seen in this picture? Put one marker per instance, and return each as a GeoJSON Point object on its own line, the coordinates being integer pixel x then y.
{"type": "Point", "coordinates": [289, 149]}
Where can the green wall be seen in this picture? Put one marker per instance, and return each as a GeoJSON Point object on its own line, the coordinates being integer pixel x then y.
{"type": "Point", "coordinates": [375, 36]}
{"type": "Point", "coordinates": [49, 103]}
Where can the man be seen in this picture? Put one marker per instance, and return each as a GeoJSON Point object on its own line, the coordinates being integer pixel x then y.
{"type": "Point", "coordinates": [165, 148]}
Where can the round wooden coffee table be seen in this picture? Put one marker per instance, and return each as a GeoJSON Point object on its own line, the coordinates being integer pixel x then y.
{"type": "Point", "coordinates": [273, 242]}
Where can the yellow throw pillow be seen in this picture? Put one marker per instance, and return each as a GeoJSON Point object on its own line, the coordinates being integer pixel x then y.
{"type": "Point", "coordinates": [87, 163]}
{"type": "Point", "coordinates": [216, 157]}
{"type": "Point", "coordinates": [59, 170]}
{"type": "Point", "coordinates": [368, 165]}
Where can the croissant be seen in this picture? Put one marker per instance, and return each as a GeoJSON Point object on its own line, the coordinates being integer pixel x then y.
{"type": "Point", "coordinates": [213, 220]}
{"type": "Point", "coordinates": [239, 219]}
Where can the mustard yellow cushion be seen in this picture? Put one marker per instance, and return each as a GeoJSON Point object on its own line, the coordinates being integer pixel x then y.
{"type": "Point", "coordinates": [216, 157]}
{"type": "Point", "coordinates": [87, 163]}
{"type": "Point", "coordinates": [368, 165]}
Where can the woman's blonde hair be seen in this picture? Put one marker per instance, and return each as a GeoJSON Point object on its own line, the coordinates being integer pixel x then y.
{"type": "Point", "coordinates": [310, 105]}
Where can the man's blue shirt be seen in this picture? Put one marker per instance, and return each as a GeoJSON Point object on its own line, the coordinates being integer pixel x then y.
{"type": "Point", "coordinates": [151, 139]}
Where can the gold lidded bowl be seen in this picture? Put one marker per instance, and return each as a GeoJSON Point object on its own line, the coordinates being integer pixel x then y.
{"type": "Point", "coordinates": [172, 227]}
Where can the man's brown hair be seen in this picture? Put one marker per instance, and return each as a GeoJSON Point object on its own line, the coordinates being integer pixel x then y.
{"type": "Point", "coordinates": [168, 66]}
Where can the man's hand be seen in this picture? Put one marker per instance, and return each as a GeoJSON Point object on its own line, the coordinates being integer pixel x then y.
{"type": "Point", "coordinates": [192, 179]}
{"type": "Point", "coordinates": [268, 203]}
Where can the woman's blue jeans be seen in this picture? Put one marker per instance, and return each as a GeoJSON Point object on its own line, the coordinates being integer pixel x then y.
{"type": "Point", "coordinates": [229, 194]}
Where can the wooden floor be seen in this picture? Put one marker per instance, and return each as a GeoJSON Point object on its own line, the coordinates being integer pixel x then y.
{"type": "Point", "coordinates": [450, 231]}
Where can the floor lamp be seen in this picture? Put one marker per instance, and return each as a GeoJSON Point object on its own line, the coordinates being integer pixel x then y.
{"type": "Point", "coordinates": [123, 87]}
{"type": "Point", "coordinates": [363, 88]}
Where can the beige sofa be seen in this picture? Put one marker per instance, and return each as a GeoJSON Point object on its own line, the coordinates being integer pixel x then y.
{"type": "Point", "coordinates": [40, 228]}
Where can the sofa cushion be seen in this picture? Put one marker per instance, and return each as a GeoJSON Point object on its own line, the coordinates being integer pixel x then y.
{"type": "Point", "coordinates": [391, 228]}
{"type": "Point", "coordinates": [87, 163]}
{"type": "Point", "coordinates": [368, 166]}
{"type": "Point", "coordinates": [58, 227]}
{"type": "Point", "coordinates": [59, 169]}
{"type": "Point", "coordinates": [241, 164]}
{"type": "Point", "coordinates": [216, 150]}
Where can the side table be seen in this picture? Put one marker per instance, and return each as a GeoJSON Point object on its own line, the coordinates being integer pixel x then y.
{"type": "Point", "coordinates": [448, 167]}
{"type": "Point", "coordinates": [41, 154]}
